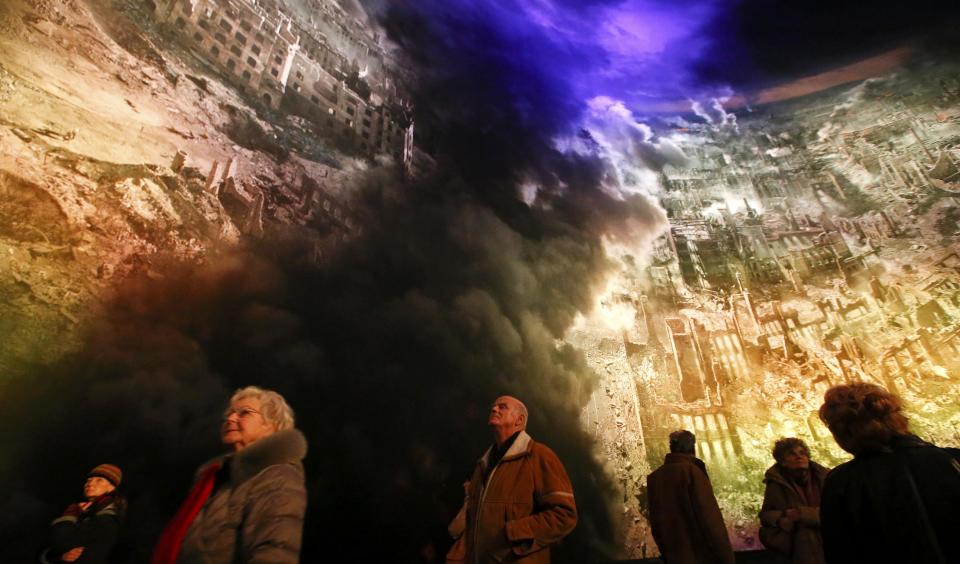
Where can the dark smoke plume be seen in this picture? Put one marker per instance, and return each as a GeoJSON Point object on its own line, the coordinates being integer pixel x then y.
{"type": "Point", "coordinates": [390, 353]}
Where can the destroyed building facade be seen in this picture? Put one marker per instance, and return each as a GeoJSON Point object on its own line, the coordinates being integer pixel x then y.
{"type": "Point", "coordinates": [331, 68]}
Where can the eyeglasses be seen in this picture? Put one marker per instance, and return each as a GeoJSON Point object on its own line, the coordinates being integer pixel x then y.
{"type": "Point", "coordinates": [242, 412]}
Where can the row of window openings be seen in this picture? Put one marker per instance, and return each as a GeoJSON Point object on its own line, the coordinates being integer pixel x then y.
{"type": "Point", "coordinates": [256, 49]}
{"type": "Point", "coordinates": [350, 110]}
{"type": "Point", "coordinates": [231, 64]}
{"type": "Point", "coordinates": [333, 99]}
{"type": "Point", "coordinates": [225, 26]}
{"type": "Point", "coordinates": [215, 51]}
{"type": "Point", "coordinates": [328, 60]}
{"type": "Point", "coordinates": [245, 25]}
{"type": "Point", "coordinates": [366, 122]}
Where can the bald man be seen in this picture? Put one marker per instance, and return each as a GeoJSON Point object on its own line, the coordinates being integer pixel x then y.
{"type": "Point", "coordinates": [519, 500]}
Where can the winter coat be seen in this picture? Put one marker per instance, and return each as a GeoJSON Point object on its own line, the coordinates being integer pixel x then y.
{"type": "Point", "coordinates": [803, 544]}
{"type": "Point", "coordinates": [684, 515]}
{"type": "Point", "coordinates": [895, 505]}
{"type": "Point", "coordinates": [525, 506]}
{"type": "Point", "coordinates": [255, 513]}
{"type": "Point", "coordinates": [94, 529]}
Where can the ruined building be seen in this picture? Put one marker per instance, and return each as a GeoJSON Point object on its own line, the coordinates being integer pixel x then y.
{"type": "Point", "coordinates": [331, 70]}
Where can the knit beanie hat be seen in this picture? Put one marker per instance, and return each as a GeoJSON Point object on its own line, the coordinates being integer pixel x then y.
{"type": "Point", "coordinates": [109, 472]}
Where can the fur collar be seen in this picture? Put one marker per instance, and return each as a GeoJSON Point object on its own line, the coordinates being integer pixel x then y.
{"type": "Point", "coordinates": [520, 447]}
{"type": "Point", "coordinates": [283, 447]}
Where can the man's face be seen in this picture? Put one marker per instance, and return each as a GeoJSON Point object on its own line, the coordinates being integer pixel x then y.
{"type": "Point", "coordinates": [243, 424]}
{"type": "Point", "coordinates": [505, 414]}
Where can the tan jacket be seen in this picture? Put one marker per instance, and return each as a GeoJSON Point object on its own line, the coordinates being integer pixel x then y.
{"type": "Point", "coordinates": [526, 505]}
{"type": "Point", "coordinates": [684, 515]}
{"type": "Point", "coordinates": [255, 514]}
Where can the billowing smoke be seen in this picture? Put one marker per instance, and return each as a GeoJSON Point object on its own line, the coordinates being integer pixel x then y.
{"type": "Point", "coordinates": [390, 352]}
{"type": "Point", "coordinates": [715, 114]}
{"type": "Point", "coordinates": [627, 146]}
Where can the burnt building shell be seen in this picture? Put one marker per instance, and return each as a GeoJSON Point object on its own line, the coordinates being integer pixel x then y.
{"type": "Point", "coordinates": [274, 59]}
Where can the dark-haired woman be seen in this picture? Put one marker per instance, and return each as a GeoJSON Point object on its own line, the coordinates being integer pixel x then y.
{"type": "Point", "coordinates": [898, 500]}
{"type": "Point", "coordinates": [87, 531]}
{"type": "Point", "coordinates": [790, 514]}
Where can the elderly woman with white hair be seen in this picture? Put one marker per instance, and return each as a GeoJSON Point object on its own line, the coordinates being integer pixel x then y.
{"type": "Point", "coordinates": [246, 506]}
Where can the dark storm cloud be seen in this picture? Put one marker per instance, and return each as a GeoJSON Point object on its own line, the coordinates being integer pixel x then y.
{"type": "Point", "coordinates": [493, 86]}
{"type": "Point", "coordinates": [654, 54]}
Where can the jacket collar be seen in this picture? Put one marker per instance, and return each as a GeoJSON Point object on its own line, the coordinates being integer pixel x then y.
{"type": "Point", "coordinates": [107, 504]}
{"type": "Point", "coordinates": [520, 447]}
{"type": "Point", "coordinates": [774, 474]}
{"type": "Point", "coordinates": [283, 447]}
{"type": "Point", "coordinates": [908, 441]}
{"type": "Point", "coordinates": [681, 458]}
{"type": "Point", "coordinates": [894, 444]}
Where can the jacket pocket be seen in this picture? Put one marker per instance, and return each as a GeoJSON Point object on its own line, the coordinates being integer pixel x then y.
{"type": "Point", "coordinates": [500, 546]}
{"type": "Point", "coordinates": [519, 510]}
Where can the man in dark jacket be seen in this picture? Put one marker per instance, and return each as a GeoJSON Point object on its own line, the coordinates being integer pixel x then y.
{"type": "Point", "coordinates": [684, 515]}
{"type": "Point", "coordinates": [519, 500]}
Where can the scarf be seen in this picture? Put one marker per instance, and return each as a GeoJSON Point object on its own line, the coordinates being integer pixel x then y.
{"type": "Point", "coordinates": [168, 547]}
{"type": "Point", "coordinates": [496, 455]}
{"type": "Point", "coordinates": [799, 476]}
{"type": "Point", "coordinates": [802, 478]}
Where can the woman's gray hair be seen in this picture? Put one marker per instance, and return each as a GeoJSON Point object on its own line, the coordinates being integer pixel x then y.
{"type": "Point", "coordinates": [274, 409]}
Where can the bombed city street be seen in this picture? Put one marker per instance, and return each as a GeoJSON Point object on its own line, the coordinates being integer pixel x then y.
{"type": "Point", "coordinates": [810, 243]}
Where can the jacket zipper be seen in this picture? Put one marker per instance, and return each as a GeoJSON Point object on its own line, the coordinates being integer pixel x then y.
{"type": "Point", "coordinates": [476, 521]}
